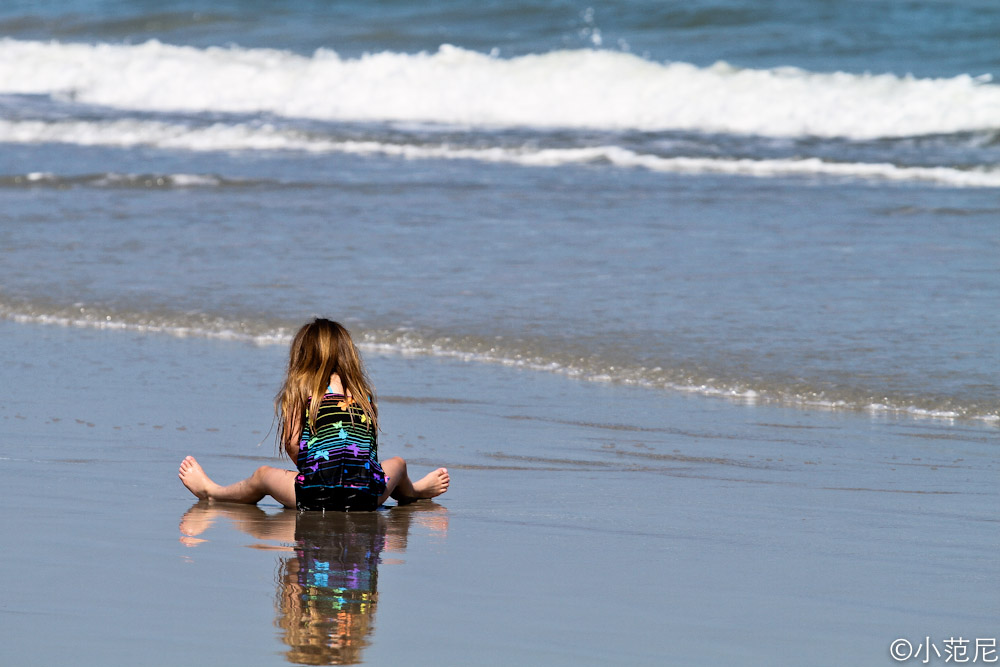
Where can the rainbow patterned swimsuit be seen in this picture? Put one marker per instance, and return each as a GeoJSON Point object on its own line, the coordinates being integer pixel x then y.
{"type": "Point", "coordinates": [338, 465]}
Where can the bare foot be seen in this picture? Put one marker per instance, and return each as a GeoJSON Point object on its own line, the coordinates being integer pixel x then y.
{"type": "Point", "coordinates": [433, 484]}
{"type": "Point", "coordinates": [195, 479]}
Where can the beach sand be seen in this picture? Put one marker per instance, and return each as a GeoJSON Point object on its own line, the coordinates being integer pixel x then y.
{"type": "Point", "coordinates": [586, 523]}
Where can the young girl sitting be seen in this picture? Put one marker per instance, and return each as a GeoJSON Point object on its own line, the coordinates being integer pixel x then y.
{"type": "Point", "coordinates": [333, 439]}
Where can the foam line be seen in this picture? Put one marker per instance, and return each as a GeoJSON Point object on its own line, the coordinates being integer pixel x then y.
{"type": "Point", "coordinates": [228, 137]}
{"type": "Point", "coordinates": [472, 350]}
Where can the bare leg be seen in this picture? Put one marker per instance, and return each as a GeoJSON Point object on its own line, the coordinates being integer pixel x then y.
{"type": "Point", "coordinates": [265, 481]}
{"type": "Point", "coordinates": [399, 486]}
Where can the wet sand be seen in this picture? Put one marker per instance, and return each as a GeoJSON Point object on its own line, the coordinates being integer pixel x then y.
{"type": "Point", "coordinates": [586, 524]}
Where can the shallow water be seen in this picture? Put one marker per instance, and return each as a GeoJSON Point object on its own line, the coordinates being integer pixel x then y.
{"type": "Point", "coordinates": [840, 295]}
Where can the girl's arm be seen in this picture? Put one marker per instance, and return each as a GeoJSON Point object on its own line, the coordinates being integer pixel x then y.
{"type": "Point", "coordinates": [292, 449]}
{"type": "Point", "coordinates": [292, 432]}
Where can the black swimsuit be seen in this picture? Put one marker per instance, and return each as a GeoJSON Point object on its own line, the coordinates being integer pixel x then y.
{"type": "Point", "coordinates": [338, 465]}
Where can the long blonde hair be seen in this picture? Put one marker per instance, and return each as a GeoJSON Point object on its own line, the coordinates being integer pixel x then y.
{"type": "Point", "coordinates": [320, 349]}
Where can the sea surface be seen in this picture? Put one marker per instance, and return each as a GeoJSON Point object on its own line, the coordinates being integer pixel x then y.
{"type": "Point", "coordinates": [793, 202]}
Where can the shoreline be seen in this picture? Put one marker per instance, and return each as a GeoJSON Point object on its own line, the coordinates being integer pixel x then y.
{"type": "Point", "coordinates": [403, 345]}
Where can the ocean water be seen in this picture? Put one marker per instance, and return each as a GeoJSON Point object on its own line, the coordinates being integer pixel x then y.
{"type": "Point", "coordinates": [791, 202]}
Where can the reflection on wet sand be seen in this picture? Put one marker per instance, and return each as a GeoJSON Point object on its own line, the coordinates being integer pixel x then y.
{"type": "Point", "coordinates": [327, 574]}
{"type": "Point", "coordinates": [328, 592]}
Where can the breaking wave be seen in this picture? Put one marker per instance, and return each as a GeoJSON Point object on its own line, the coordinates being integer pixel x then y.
{"type": "Point", "coordinates": [596, 89]}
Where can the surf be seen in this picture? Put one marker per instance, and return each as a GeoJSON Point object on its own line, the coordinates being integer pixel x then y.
{"type": "Point", "coordinates": [572, 88]}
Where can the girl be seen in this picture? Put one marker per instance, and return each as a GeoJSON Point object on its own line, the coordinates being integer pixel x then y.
{"type": "Point", "coordinates": [331, 435]}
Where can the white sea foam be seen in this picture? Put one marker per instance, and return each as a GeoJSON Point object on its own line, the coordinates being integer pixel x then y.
{"type": "Point", "coordinates": [91, 318]}
{"type": "Point", "coordinates": [113, 179]}
{"type": "Point", "coordinates": [160, 180]}
{"type": "Point", "coordinates": [406, 342]}
{"type": "Point", "coordinates": [570, 88]}
{"type": "Point", "coordinates": [235, 137]}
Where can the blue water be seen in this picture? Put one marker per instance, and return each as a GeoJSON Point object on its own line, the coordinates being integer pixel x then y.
{"type": "Point", "coordinates": [928, 38]}
{"type": "Point", "coordinates": [793, 202]}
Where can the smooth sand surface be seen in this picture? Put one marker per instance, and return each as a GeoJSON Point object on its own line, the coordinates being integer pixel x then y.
{"type": "Point", "coordinates": [585, 524]}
